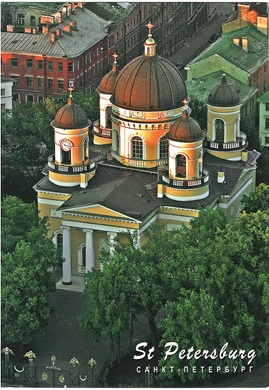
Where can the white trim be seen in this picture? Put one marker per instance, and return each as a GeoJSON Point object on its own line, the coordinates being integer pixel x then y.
{"type": "Point", "coordinates": [97, 216]}
{"type": "Point", "coordinates": [144, 227]}
{"type": "Point", "coordinates": [77, 208]}
{"type": "Point", "coordinates": [226, 205]}
{"type": "Point", "coordinates": [175, 217]}
{"type": "Point", "coordinates": [102, 228]}
{"type": "Point", "coordinates": [224, 113]}
{"type": "Point", "coordinates": [183, 198]}
{"type": "Point", "coordinates": [50, 201]}
{"type": "Point", "coordinates": [180, 208]}
{"type": "Point", "coordinates": [63, 184]}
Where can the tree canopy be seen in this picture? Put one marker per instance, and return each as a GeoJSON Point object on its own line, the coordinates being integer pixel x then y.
{"type": "Point", "coordinates": [27, 255]}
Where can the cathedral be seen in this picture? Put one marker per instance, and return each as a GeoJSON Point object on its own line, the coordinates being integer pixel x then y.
{"type": "Point", "coordinates": [151, 161]}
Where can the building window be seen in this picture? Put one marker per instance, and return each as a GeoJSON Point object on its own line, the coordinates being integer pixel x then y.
{"type": "Point", "coordinates": [60, 67]}
{"type": "Point", "coordinates": [20, 20]}
{"type": "Point", "coordinates": [82, 258]}
{"type": "Point", "coordinates": [267, 123]}
{"type": "Point", "coordinates": [32, 21]}
{"type": "Point", "coordinates": [39, 64]}
{"type": "Point", "coordinates": [70, 67]}
{"type": "Point", "coordinates": [86, 148]}
{"type": "Point", "coordinates": [181, 165]}
{"type": "Point", "coordinates": [3, 106]}
{"type": "Point", "coordinates": [267, 140]}
{"type": "Point", "coordinates": [29, 81]}
{"type": "Point", "coordinates": [60, 85]}
{"type": "Point", "coordinates": [266, 106]}
{"type": "Point", "coordinates": [15, 97]}
{"type": "Point", "coordinates": [59, 242]}
{"type": "Point", "coordinates": [164, 148]}
{"type": "Point", "coordinates": [137, 147]}
{"type": "Point", "coordinates": [14, 62]}
{"type": "Point", "coordinates": [50, 83]}
{"type": "Point", "coordinates": [29, 98]}
{"type": "Point", "coordinates": [219, 130]}
{"type": "Point", "coordinates": [15, 80]}
{"type": "Point", "coordinates": [50, 65]}
{"type": "Point", "coordinates": [40, 99]}
{"type": "Point", "coordinates": [3, 92]}
{"type": "Point", "coordinates": [40, 82]}
{"type": "Point", "coordinates": [29, 63]}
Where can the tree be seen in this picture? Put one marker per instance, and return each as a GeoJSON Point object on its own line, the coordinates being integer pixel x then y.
{"type": "Point", "coordinates": [257, 200]}
{"type": "Point", "coordinates": [223, 297]}
{"type": "Point", "coordinates": [199, 112]}
{"type": "Point", "coordinates": [26, 280]}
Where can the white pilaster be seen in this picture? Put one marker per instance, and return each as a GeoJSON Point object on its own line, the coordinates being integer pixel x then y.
{"type": "Point", "coordinates": [89, 249]}
{"type": "Point", "coordinates": [112, 237]}
{"type": "Point", "coordinates": [67, 256]}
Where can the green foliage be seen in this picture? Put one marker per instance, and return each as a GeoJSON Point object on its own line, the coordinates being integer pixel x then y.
{"type": "Point", "coordinates": [258, 200]}
{"type": "Point", "coordinates": [26, 281]}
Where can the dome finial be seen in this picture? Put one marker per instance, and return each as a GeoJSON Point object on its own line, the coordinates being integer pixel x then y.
{"type": "Point", "coordinates": [114, 68]}
{"type": "Point", "coordinates": [70, 98]}
{"type": "Point", "coordinates": [150, 43]}
{"type": "Point", "coordinates": [185, 108]}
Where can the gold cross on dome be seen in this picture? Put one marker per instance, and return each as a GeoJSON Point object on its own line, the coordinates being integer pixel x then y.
{"type": "Point", "coordinates": [70, 89]}
{"type": "Point", "coordinates": [115, 57]}
{"type": "Point", "coordinates": [185, 101]}
{"type": "Point", "coordinates": [150, 25]}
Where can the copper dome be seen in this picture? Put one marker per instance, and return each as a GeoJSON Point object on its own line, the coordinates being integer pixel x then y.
{"type": "Point", "coordinates": [185, 129]}
{"type": "Point", "coordinates": [224, 95]}
{"type": "Point", "coordinates": [71, 116]}
{"type": "Point", "coordinates": [107, 83]}
{"type": "Point", "coordinates": [149, 83]}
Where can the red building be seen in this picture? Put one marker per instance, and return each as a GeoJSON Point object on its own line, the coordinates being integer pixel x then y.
{"type": "Point", "coordinates": [71, 50]}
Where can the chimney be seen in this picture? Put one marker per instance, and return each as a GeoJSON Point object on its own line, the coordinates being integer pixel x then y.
{"type": "Point", "coordinates": [52, 37]}
{"type": "Point", "coordinates": [237, 41]}
{"type": "Point", "coordinates": [60, 17]}
{"type": "Point", "coordinates": [10, 28]}
{"type": "Point", "coordinates": [34, 30]}
{"type": "Point", "coordinates": [67, 28]}
{"type": "Point", "coordinates": [64, 10]}
{"type": "Point", "coordinates": [73, 5]}
{"type": "Point", "coordinates": [69, 8]}
{"type": "Point", "coordinates": [45, 30]}
{"type": "Point", "coordinates": [73, 24]}
{"type": "Point", "coordinates": [221, 176]}
{"type": "Point", "coordinates": [27, 30]}
{"type": "Point", "coordinates": [80, 5]}
{"type": "Point", "coordinates": [58, 32]}
{"type": "Point", "coordinates": [245, 43]}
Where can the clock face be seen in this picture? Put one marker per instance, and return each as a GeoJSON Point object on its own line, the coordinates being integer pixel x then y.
{"type": "Point", "coordinates": [66, 145]}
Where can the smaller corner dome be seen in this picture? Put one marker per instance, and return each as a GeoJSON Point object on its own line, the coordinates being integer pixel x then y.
{"type": "Point", "coordinates": [224, 95]}
{"type": "Point", "coordinates": [71, 116]}
{"type": "Point", "coordinates": [107, 83]}
{"type": "Point", "coordinates": [185, 129]}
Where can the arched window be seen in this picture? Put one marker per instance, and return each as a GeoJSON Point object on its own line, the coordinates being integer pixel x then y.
{"type": "Point", "coordinates": [219, 130]}
{"type": "Point", "coordinates": [117, 142]}
{"type": "Point", "coordinates": [164, 148]}
{"type": "Point", "coordinates": [237, 127]}
{"type": "Point", "coordinates": [200, 162]}
{"type": "Point", "coordinates": [181, 165]}
{"type": "Point", "coordinates": [32, 21]}
{"type": "Point", "coordinates": [137, 147]}
{"type": "Point", "coordinates": [82, 258]}
{"type": "Point", "coordinates": [20, 20]}
{"type": "Point", "coordinates": [66, 157]}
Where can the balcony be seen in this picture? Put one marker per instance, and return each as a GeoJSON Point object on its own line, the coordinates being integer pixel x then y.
{"type": "Point", "coordinates": [240, 143]}
{"type": "Point", "coordinates": [68, 169]}
{"type": "Point", "coordinates": [102, 131]}
{"type": "Point", "coordinates": [183, 182]}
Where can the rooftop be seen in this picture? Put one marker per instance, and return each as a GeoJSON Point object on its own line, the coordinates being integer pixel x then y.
{"type": "Point", "coordinates": [90, 28]}
{"type": "Point", "coordinates": [133, 193]}
{"type": "Point", "coordinates": [264, 98]}
{"type": "Point", "coordinates": [246, 60]}
{"type": "Point", "coordinates": [200, 88]}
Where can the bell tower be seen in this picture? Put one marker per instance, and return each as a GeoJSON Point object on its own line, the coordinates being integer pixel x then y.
{"type": "Point", "coordinates": [71, 164]}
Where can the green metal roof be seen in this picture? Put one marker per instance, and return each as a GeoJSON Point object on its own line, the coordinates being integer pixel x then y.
{"type": "Point", "coordinates": [200, 88]}
{"type": "Point", "coordinates": [224, 47]}
{"type": "Point", "coordinates": [264, 98]}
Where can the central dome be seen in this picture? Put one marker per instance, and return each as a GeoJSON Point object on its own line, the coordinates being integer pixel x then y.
{"type": "Point", "coordinates": [149, 83]}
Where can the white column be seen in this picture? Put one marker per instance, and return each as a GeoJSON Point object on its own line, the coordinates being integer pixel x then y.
{"type": "Point", "coordinates": [67, 256]}
{"type": "Point", "coordinates": [89, 249]}
{"type": "Point", "coordinates": [112, 237]}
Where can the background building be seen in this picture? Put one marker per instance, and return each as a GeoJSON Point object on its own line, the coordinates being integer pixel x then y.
{"type": "Point", "coordinates": [263, 101]}
{"type": "Point", "coordinates": [46, 48]}
{"type": "Point", "coordinates": [6, 94]}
